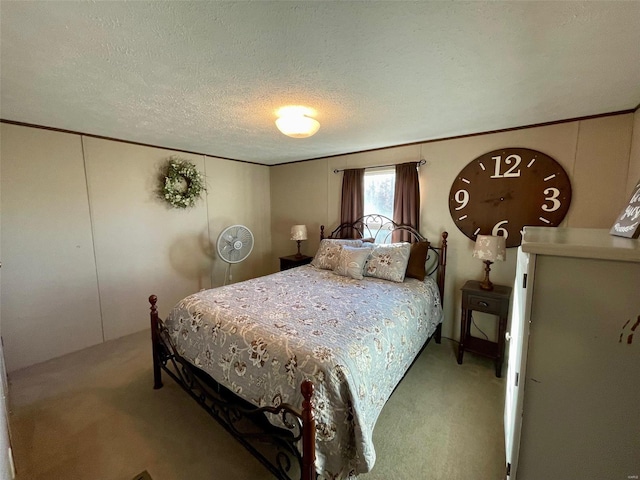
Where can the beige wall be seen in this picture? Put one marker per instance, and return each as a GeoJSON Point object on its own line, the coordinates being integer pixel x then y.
{"type": "Point", "coordinates": [49, 298]}
{"type": "Point", "coordinates": [298, 196]}
{"type": "Point", "coordinates": [600, 171]}
{"type": "Point", "coordinates": [239, 193]}
{"type": "Point", "coordinates": [6, 458]}
{"type": "Point", "coordinates": [595, 154]}
{"type": "Point", "coordinates": [142, 246]}
{"type": "Point", "coordinates": [85, 241]}
{"type": "Point", "coordinates": [634, 157]}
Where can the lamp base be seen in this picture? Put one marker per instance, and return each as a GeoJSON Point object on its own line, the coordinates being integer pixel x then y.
{"type": "Point", "coordinates": [299, 255]}
{"type": "Point", "coordinates": [486, 283]}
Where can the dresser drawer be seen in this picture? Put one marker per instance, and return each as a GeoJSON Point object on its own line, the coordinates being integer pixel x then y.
{"type": "Point", "coordinates": [484, 304]}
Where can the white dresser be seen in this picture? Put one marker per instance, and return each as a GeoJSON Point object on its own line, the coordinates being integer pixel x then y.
{"type": "Point", "coordinates": [572, 407]}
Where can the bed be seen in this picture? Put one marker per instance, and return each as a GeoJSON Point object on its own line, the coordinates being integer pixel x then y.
{"type": "Point", "coordinates": [336, 346]}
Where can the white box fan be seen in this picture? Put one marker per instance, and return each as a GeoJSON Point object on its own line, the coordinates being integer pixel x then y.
{"type": "Point", "coordinates": [234, 245]}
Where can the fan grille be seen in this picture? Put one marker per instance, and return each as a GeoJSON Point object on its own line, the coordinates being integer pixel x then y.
{"type": "Point", "coordinates": [235, 243]}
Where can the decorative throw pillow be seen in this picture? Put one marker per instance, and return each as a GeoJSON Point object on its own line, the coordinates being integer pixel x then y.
{"type": "Point", "coordinates": [326, 257]}
{"type": "Point", "coordinates": [388, 262]}
{"type": "Point", "coordinates": [351, 261]}
{"type": "Point", "coordinates": [417, 260]}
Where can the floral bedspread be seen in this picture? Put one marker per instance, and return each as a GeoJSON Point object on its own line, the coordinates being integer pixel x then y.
{"type": "Point", "coordinates": [354, 339]}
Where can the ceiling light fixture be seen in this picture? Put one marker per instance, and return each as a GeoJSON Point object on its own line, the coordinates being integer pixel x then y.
{"type": "Point", "coordinates": [295, 121]}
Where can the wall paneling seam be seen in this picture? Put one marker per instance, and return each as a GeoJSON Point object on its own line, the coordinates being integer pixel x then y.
{"type": "Point", "coordinates": [206, 197]}
{"type": "Point", "coordinates": [633, 123]}
{"type": "Point", "coordinates": [93, 236]}
{"type": "Point", "coordinates": [575, 152]}
{"type": "Point", "coordinates": [567, 222]}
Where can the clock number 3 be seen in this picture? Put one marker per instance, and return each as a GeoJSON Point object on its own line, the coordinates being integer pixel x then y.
{"type": "Point", "coordinates": [553, 198]}
{"type": "Point", "coordinates": [511, 172]}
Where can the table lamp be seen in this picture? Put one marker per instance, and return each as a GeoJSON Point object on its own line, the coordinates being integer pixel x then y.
{"type": "Point", "coordinates": [299, 233]}
{"type": "Point", "coordinates": [489, 248]}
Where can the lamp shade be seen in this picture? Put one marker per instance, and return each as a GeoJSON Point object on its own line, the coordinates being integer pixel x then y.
{"type": "Point", "coordinates": [490, 248]}
{"type": "Point", "coordinates": [299, 232]}
{"type": "Point", "coordinates": [296, 122]}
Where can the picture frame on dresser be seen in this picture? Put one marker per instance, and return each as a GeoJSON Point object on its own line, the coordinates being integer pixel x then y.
{"type": "Point", "coordinates": [628, 222]}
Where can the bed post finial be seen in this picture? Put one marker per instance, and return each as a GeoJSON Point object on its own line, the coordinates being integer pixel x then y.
{"type": "Point", "coordinates": [321, 232]}
{"type": "Point", "coordinates": [153, 300]}
{"type": "Point", "coordinates": [442, 271]}
{"type": "Point", "coordinates": [445, 235]}
{"type": "Point", "coordinates": [155, 340]}
{"type": "Point", "coordinates": [308, 433]}
{"type": "Point", "coordinates": [443, 265]}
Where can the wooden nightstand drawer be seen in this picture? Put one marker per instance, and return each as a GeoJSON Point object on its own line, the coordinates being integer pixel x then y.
{"type": "Point", "coordinates": [484, 304]}
{"type": "Point", "coordinates": [292, 261]}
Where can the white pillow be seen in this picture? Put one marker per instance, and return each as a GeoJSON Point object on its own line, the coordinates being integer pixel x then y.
{"type": "Point", "coordinates": [351, 261]}
{"type": "Point", "coordinates": [327, 255]}
{"type": "Point", "coordinates": [388, 262]}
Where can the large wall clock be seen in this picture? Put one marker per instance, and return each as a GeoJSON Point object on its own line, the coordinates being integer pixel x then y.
{"type": "Point", "coordinates": [505, 190]}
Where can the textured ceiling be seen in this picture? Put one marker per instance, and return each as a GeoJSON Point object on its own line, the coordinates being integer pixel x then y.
{"type": "Point", "coordinates": [208, 76]}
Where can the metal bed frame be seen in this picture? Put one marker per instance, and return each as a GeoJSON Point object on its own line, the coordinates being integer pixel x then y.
{"type": "Point", "coordinates": [276, 447]}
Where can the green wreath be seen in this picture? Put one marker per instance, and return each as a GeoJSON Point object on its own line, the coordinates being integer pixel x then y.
{"type": "Point", "coordinates": [183, 183]}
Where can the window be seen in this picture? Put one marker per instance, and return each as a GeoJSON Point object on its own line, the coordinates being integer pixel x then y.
{"type": "Point", "coordinates": [379, 185]}
{"type": "Point", "coordinates": [378, 192]}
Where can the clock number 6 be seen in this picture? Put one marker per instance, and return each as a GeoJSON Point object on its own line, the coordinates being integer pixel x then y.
{"type": "Point", "coordinates": [511, 172]}
{"type": "Point", "coordinates": [553, 198]}
{"type": "Point", "coordinates": [462, 197]}
{"type": "Point", "coordinates": [499, 230]}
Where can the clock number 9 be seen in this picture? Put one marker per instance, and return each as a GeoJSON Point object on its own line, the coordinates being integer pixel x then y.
{"type": "Point", "coordinates": [499, 230]}
{"type": "Point", "coordinates": [553, 198]}
{"type": "Point", "coordinates": [462, 197]}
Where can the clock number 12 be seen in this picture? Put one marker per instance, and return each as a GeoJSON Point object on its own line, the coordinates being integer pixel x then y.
{"type": "Point", "coordinates": [511, 172]}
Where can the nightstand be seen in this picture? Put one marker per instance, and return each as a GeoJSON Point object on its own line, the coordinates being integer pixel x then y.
{"type": "Point", "coordinates": [495, 302]}
{"type": "Point", "coordinates": [292, 261]}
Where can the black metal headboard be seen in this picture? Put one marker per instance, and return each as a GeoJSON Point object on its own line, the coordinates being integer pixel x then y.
{"type": "Point", "coordinates": [379, 229]}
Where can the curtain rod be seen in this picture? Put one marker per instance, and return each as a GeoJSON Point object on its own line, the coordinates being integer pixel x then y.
{"type": "Point", "coordinates": [418, 165]}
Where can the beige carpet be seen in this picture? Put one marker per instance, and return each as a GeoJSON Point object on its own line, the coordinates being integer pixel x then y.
{"type": "Point", "coordinates": [94, 415]}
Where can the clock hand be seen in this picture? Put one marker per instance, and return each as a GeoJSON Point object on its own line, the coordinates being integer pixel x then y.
{"type": "Point", "coordinates": [495, 201]}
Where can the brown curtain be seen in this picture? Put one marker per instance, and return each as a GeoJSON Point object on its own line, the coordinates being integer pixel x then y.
{"type": "Point", "coordinates": [352, 200]}
{"type": "Point", "coordinates": [406, 200]}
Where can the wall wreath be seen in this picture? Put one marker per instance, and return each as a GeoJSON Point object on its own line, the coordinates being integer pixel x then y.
{"type": "Point", "coordinates": [182, 183]}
